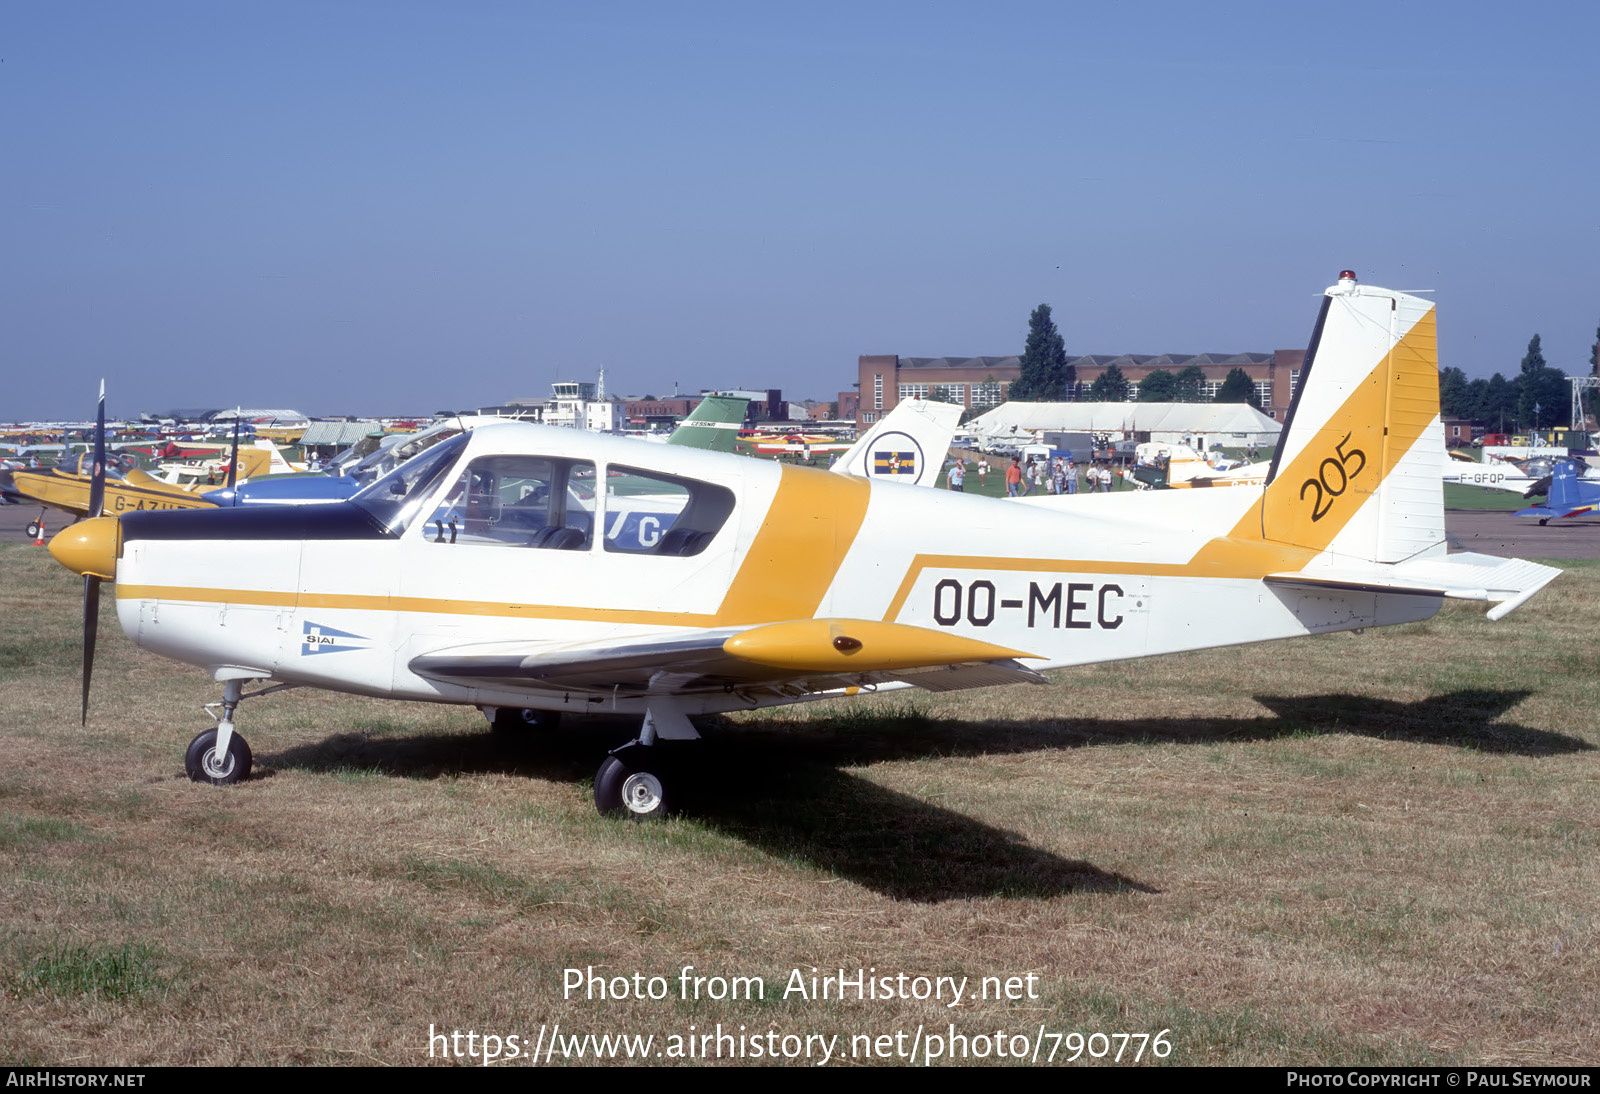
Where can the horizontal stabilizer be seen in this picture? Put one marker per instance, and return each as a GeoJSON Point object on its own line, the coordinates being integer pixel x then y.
{"type": "Point", "coordinates": [1504, 582]}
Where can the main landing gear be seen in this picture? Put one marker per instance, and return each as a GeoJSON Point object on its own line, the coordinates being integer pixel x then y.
{"type": "Point", "coordinates": [636, 780]}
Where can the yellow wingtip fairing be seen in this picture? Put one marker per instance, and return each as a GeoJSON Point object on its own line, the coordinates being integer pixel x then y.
{"type": "Point", "coordinates": [857, 645]}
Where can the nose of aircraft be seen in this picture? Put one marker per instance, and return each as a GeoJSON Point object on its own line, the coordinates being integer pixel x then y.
{"type": "Point", "coordinates": [89, 547]}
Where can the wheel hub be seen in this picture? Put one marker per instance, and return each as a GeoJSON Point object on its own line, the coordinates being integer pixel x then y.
{"type": "Point", "coordinates": [216, 767]}
{"type": "Point", "coordinates": [641, 793]}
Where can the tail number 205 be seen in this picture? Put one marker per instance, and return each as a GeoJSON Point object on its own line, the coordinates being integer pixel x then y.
{"type": "Point", "coordinates": [1333, 477]}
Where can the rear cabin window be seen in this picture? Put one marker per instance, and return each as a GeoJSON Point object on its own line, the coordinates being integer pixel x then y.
{"type": "Point", "coordinates": [650, 513]}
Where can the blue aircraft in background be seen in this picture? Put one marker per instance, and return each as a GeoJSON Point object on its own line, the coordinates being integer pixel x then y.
{"type": "Point", "coordinates": [1568, 497]}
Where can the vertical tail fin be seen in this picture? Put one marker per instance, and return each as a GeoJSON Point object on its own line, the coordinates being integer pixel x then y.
{"type": "Point", "coordinates": [1357, 469]}
{"type": "Point", "coordinates": [713, 425]}
{"type": "Point", "coordinates": [908, 445]}
{"type": "Point", "coordinates": [1564, 493]}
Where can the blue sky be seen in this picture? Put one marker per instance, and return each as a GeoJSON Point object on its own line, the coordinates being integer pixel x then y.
{"type": "Point", "coordinates": [398, 207]}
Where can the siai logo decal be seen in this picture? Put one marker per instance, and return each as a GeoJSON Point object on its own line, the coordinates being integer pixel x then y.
{"type": "Point", "coordinates": [321, 639]}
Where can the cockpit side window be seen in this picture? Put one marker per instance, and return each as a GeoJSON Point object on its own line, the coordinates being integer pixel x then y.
{"type": "Point", "coordinates": [518, 501]}
{"type": "Point", "coordinates": [655, 514]}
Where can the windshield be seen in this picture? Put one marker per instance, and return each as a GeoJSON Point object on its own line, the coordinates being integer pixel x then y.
{"type": "Point", "coordinates": [117, 465]}
{"type": "Point", "coordinates": [396, 450]}
{"type": "Point", "coordinates": [395, 498]}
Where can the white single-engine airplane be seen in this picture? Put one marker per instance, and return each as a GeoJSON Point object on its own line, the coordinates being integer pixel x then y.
{"type": "Point", "coordinates": [510, 568]}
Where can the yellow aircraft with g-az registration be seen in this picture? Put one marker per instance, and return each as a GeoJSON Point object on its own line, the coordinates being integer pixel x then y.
{"type": "Point", "coordinates": [69, 485]}
{"type": "Point", "coordinates": [508, 568]}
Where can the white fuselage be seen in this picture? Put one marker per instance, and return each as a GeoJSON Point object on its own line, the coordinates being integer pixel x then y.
{"type": "Point", "coordinates": [1111, 577]}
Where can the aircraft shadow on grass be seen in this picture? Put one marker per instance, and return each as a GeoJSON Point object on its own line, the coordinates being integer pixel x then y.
{"type": "Point", "coordinates": [781, 785]}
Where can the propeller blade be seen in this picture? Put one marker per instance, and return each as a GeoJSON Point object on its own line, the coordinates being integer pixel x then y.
{"type": "Point", "coordinates": [91, 631]}
{"type": "Point", "coordinates": [233, 457]}
{"type": "Point", "coordinates": [97, 481]}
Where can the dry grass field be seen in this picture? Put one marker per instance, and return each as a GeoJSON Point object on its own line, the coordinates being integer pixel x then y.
{"type": "Point", "coordinates": [1376, 848]}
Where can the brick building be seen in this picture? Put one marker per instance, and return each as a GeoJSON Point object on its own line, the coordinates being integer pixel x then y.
{"type": "Point", "coordinates": [980, 383]}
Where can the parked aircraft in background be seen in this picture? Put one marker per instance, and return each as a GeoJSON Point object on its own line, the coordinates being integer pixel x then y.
{"type": "Point", "coordinates": [1179, 466]}
{"type": "Point", "coordinates": [1569, 496]}
{"type": "Point", "coordinates": [67, 487]}
{"type": "Point", "coordinates": [908, 445]}
{"type": "Point", "coordinates": [504, 568]}
{"type": "Point", "coordinates": [257, 459]}
{"type": "Point", "coordinates": [1529, 477]}
{"type": "Point", "coordinates": [713, 425]}
{"type": "Point", "coordinates": [327, 489]}
{"type": "Point", "coordinates": [795, 443]}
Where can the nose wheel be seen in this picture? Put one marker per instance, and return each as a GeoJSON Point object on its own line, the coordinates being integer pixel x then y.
{"type": "Point", "coordinates": [205, 763]}
{"type": "Point", "coordinates": [220, 756]}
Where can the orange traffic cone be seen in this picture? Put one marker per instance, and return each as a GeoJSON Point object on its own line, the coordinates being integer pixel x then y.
{"type": "Point", "coordinates": [38, 540]}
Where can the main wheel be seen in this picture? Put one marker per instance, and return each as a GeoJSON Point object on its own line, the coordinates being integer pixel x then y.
{"type": "Point", "coordinates": [628, 787]}
{"type": "Point", "coordinates": [205, 766]}
{"type": "Point", "coordinates": [521, 719]}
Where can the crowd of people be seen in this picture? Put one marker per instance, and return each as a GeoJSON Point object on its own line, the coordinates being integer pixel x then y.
{"type": "Point", "coordinates": [1037, 475]}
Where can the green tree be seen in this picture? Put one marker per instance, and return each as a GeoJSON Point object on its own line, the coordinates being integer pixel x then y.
{"type": "Point", "coordinates": [1475, 401]}
{"type": "Point", "coordinates": [1594, 353]}
{"type": "Point", "coordinates": [1543, 399]}
{"type": "Point", "coordinates": [1111, 386]}
{"type": "Point", "coordinates": [1500, 402]}
{"type": "Point", "coordinates": [1160, 386]}
{"type": "Point", "coordinates": [1237, 387]}
{"type": "Point", "coordinates": [1453, 393]}
{"type": "Point", "coordinates": [1191, 382]}
{"type": "Point", "coordinates": [1044, 361]}
{"type": "Point", "coordinates": [1533, 360]}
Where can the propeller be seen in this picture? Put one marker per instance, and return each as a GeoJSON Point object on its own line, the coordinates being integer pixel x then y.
{"type": "Point", "coordinates": [91, 583]}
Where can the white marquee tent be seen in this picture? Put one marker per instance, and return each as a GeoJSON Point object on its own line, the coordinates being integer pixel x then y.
{"type": "Point", "coordinates": [1235, 419]}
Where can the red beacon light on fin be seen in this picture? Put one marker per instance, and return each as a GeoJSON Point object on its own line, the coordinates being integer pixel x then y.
{"type": "Point", "coordinates": [1347, 275]}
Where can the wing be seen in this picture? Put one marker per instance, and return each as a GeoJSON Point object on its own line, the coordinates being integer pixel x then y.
{"type": "Point", "coordinates": [793, 658]}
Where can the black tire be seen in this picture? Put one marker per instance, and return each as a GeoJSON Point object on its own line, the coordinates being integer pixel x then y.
{"type": "Point", "coordinates": [628, 788]}
{"type": "Point", "coordinates": [1543, 522]}
{"type": "Point", "coordinates": [201, 761]}
{"type": "Point", "coordinates": [33, 529]}
{"type": "Point", "coordinates": [518, 720]}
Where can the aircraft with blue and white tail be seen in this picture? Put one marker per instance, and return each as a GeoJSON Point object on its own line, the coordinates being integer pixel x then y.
{"type": "Point", "coordinates": [1569, 496]}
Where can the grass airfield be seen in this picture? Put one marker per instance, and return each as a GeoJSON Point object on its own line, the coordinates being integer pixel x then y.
{"type": "Point", "coordinates": [1349, 849]}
